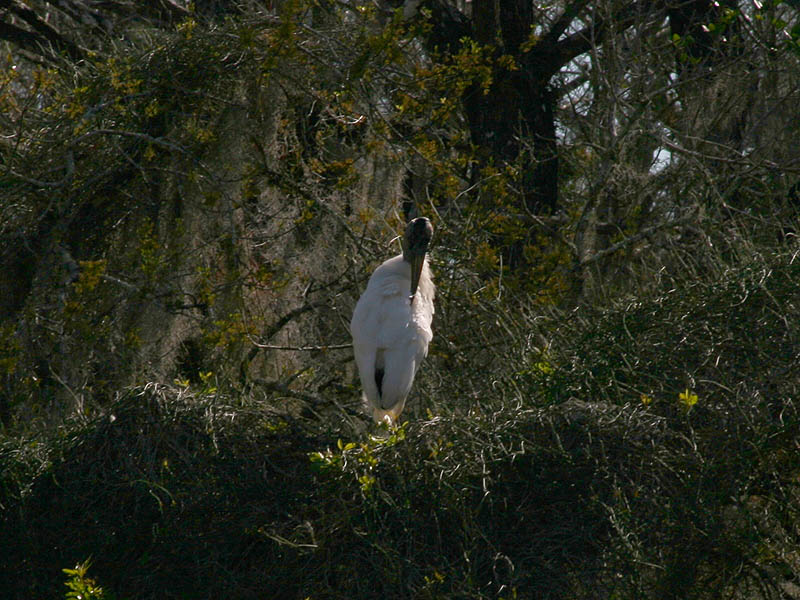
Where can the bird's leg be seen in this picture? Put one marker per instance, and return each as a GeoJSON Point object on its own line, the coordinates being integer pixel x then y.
{"type": "Point", "coordinates": [379, 380]}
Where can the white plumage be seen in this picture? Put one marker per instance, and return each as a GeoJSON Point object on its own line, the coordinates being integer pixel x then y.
{"type": "Point", "coordinates": [391, 324]}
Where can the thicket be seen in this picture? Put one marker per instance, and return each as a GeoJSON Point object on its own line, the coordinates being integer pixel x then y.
{"type": "Point", "coordinates": [191, 206]}
{"type": "Point", "coordinates": [647, 457]}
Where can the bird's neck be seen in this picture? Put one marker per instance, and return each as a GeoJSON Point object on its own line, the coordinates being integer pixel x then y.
{"type": "Point", "coordinates": [425, 288]}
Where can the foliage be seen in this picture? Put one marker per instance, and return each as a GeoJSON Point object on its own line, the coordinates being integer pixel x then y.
{"type": "Point", "coordinates": [80, 586]}
{"type": "Point", "coordinates": [172, 490]}
{"type": "Point", "coordinates": [609, 407]}
{"type": "Point", "coordinates": [559, 482]}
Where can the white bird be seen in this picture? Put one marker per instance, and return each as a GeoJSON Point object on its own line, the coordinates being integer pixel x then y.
{"type": "Point", "coordinates": [391, 324]}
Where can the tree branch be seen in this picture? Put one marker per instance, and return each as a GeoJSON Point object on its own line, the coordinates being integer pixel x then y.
{"type": "Point", "coordinates": [564, 21]}
{"type": "Point", "coordinates": [282, 388]}
{"type": "Point", "coordinates": [21, 37]}
{"type": "Point", "coordinates": [631, 240]}
{"type": "Point", "coordinates": [275, 328]}
{"type": "Point", "coordinates": [550, 55]}
{"type": "Point", "coordinates": [43, 35]}
{"type": "Point", "coordinates": [302, 348]}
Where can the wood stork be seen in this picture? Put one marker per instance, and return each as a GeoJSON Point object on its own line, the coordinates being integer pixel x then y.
{"type": "Point", "coordinates": [391, 324]}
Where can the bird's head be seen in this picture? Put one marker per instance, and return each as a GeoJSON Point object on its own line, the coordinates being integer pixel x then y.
{"type": "Point", "coordinates": [417, 237]}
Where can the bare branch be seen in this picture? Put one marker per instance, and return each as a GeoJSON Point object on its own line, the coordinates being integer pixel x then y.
{"type": "Point", "coordinates": [302, 348]}
{"type": "Point", "coordinates": [42, 38]}
{"type": "Point", "coordinates": [633, 239]}
{"type": "Point", "coordinates": [565, 20]}
{"type": "Point", "coordinates": [282, 388]}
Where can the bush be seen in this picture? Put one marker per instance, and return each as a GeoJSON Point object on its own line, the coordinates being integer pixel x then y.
{"type": "Point", "coordinates": [167, 491]}
{"type": "Point", "coordinates": [598, 471]}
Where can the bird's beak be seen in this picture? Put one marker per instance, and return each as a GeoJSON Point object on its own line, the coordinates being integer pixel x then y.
{"type": "Point", "coordinates": [417, 260]}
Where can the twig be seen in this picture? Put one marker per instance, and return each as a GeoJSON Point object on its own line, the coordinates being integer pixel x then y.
{"type": "Point", "coordinates": [630, 240]}
{"type": "Point", "coordinates": [275, 328]}
{"type": "Point", "coordinates": [282, 388]}
{"type": "Point", "coordinates": [302, 348]}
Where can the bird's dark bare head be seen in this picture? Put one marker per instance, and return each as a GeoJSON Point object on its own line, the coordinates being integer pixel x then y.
{"type": "Point", "coordinates": [415, 244]}
{"type": "Point", "coordinates": [417, 237]}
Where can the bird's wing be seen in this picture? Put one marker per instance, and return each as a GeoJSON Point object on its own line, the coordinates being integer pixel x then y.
{"type": "Point", "coordinates": [390, 286]}
{"type": "Point", "coordinates": [404, 345]}
{"type": "Point", "coordinates": [394, 321]}
{"type": "Point", "coordinates": [400, 365]}
{"type": "Point", "coordinates": [364, 329]}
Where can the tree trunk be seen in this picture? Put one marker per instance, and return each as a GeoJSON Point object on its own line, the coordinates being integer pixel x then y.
{"type": "Point", "coordinates": [514, 122]}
